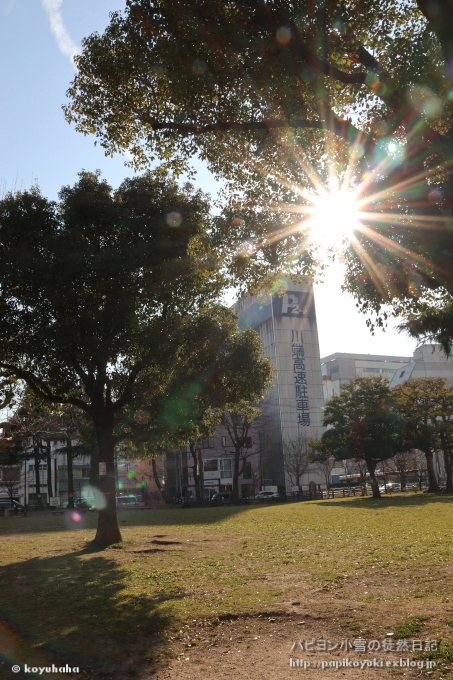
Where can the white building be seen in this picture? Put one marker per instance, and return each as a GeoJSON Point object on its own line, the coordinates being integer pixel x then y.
{"type": "Point", "coordinates": [53, 481]}
{"type": "Point", "coordinates": [341, 367]}
{"type": "Point", "coordinates": [429, 361]}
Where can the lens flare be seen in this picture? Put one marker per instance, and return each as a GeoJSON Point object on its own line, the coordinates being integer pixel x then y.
{"type": "Point", "coordinates": [334, 216]}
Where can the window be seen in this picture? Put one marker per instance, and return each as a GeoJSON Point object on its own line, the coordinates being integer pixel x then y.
{"type": "Point", "coordinates": [248, 443]}
{"type": "Point", "coordinates": [207, 443]}
{"type": "Point", "coordinates": [85, 472]}
{"type": "Point", "coordinates": [224, 441]}
{"type": "Point", "coordinates": [211, 465]}
{"type": "Point", "coordinates": [42, 466]}
{"type": "Point", "coordinates": [247, 474]}
{"type": "Point", "coordinates": [225, 468]}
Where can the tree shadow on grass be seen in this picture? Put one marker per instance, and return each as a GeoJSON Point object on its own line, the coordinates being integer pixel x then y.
{"type": "Point", "coordinates": [388, 500]}
{"type": "Point", "coordinates": [40, 522]}
{"type": "Point", "coordinates": [73, 609]}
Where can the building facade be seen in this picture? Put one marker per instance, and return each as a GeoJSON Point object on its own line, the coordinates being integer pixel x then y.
{"type": "Point", "coordinates": [428, 361]}
{"type": "Point", "coordinates": [288, 329]}
{"type": "Point", "coordinates": [341, 367]}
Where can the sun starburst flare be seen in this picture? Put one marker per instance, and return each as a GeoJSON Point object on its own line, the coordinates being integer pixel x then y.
{"type": "Point", "coordinates": [333, 217]}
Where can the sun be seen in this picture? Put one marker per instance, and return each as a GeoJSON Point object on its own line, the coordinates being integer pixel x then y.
{"type": "Point", "coordinates": [333, 217]}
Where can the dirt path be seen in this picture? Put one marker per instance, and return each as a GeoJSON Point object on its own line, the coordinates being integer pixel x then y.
{"type": "Point", "coordinates": [262, 647]}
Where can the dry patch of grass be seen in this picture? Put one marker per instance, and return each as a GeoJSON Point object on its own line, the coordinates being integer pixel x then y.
{"type": "Point", "coordinates": [362, 566]}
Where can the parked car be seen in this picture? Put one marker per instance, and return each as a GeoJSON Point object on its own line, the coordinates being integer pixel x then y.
{"type": "Point", "coordinates": [82, 503]}
{"type": "Point", "coordinates": [267, 496]}
{"type": "Point", "coordinates": [6, 505]}
{"type": "Point", "coordinates": [128, 501]}
{"type": "Point", "coordinates": [224, 498]}
{"type": "Point", "coordinates": [390, 487]}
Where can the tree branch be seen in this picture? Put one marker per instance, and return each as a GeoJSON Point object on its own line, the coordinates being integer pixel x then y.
{"type": "Point", "coordinates": [342, 128]}
{"type": "Point", "coordinates": [226, 126]}
{"type": "Point", "coordinates": [127, 392]}
{"type": "Point", "coordinates": [41, 390]}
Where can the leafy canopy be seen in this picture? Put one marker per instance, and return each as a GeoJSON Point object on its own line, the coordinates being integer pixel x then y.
{"type": "Point", "coordinates": [363, 422]}
{"type": "Point", "coordinates": [283, 99]}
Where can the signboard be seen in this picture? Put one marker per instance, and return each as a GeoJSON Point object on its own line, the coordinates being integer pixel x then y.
{"type": "Point", "coordinates": [211, 482]}
{"type": "Point", "coordinates": [211, 474]}
{"type": "Point", "coordinates": [55, 501]}
{"type": "Point", "coordinates": [102, 469]}
{"type": "Point", "coordinates": [293, 303]}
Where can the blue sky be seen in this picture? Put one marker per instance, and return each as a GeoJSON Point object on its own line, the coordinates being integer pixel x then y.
{"type": "Point", "coordinates": [37, 38]}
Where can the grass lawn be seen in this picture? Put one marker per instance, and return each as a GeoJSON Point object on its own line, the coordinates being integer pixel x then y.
{"type": "Point", "coordinates": [368, 567]}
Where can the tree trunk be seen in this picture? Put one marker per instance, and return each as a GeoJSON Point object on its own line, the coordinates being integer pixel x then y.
{"type": "Point", "coordinates": [374, 482]}
{"type": "Point", "coordinates": [49, 471]}
{"type": "Point", "coordinates": [39, 504]}
{"type": "Point", "coordinates": [433, 486]}
{"type": "Point", "coordinates": [362, 477]}
{"type": "Point", "coordinates": [70, 475]}
{"type": "Point", "coordinates": [447, 461]}
{"type": "Point", "coordinates": [94, 467]}
{"type": "Point", "coordinates": [108, 531]}
{"type": "Point", "coordinates": [156, 477]}
{"type": "Point", "coordinates": [237, 456]}
{"type": "Point", "coordinates": [193, 451]}
{"type": "Point", "coordinates": [201, 474]}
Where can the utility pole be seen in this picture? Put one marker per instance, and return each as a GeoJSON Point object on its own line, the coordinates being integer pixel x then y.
{"type": "Point", "coordinates": [70, 475]}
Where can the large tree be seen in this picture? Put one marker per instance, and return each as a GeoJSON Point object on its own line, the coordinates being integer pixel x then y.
{"type": "Point", "coordinates": [99, 293]}
{"type": "Point", "coordinates": [362, 424]}
{"type": "Point", "coordinates": [425, 408]}
{"type": "Point", "coordinates": [279, 97]}
{"type": "Point", "coordinates": [228, 376]}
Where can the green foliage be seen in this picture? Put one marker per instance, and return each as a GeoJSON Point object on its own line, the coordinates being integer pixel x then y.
{"type": "Point", "coordinates": [363, 423]}
{"type": "Point", "coordinates": [430, 318]}
{"type": "Point", "coordinates": [219, 367]}
{"type": "Point", "coordinates": [422, 406]}
{"type": "Point", "coordinates": [278, 98]}
{"type": "Point", "coordinates": [110, 304]}
{"type": "Point", "coordinates": [93, 282]}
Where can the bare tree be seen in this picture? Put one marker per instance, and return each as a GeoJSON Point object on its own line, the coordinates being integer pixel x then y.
{"type": "Point", "coordinates": [296, 454]}
{"type": "Point", "coordinates": [27, 422]}
{"type": "Point", "coordinates": [321, 457]}
{"type": "Point", "coordinates": [402, 463]}
{"type": "Point", "coordinates": [9, 480]}
{"type": "Point", "coordinates": [419, 466]}
{"type": "Point", "coordinates": [238, 425]}
{"type": "Point", "coordinates": [325, 465]}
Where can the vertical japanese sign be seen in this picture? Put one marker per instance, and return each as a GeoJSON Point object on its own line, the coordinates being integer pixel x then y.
{"type": "Point", "coordinates": [300, 380]}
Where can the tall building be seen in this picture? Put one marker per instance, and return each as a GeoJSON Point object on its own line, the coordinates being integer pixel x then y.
{"type": "Point", "coordinates": [287, 327]}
